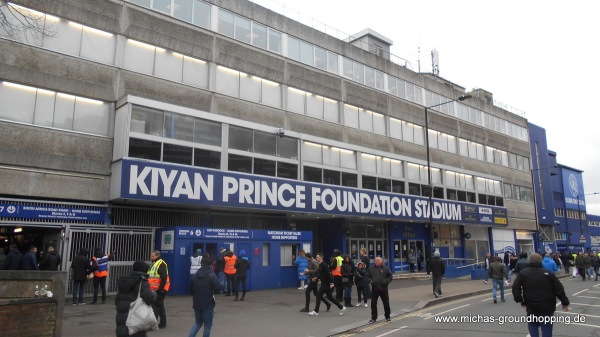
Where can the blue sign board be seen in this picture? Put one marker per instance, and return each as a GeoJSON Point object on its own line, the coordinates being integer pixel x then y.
{"type": "Point", "coordinates": [573, 190]}
{"type": "Point", "coordinates": [165, 182]}
{"type": "Point", "coordinates": [54, 212]}
{"type": "Point", "coordinates": [248, 234]}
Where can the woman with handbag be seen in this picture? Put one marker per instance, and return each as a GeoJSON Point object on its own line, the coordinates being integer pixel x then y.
{"type": "Point", "coordinates": [129, 288]}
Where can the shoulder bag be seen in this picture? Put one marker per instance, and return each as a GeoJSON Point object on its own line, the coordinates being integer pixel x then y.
{"type": "Point", "coordinates": [141, 316]}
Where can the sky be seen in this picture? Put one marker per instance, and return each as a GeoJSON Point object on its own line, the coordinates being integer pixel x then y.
{"type": "Point", "coordinates": [538, 57]}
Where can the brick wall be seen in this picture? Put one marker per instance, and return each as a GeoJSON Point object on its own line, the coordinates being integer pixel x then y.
{"type": "Point", "coordinates": [28, 318]}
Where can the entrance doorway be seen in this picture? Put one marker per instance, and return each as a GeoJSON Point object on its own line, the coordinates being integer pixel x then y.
{"type": "Point", "coordinates": [374, 248]}
{"type": "Point", "coordinates": [417, 246]}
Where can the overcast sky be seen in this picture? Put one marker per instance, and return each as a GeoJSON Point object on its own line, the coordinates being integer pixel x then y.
{"type": "Point", "coordinates": [540, 57]}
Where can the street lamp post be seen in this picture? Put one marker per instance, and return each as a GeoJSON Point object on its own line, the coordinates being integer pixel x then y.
{"type": "Point", "coordinates": [430, 202]}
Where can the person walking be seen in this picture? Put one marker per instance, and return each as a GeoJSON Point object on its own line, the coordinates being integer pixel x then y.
{"type": "Point", "coordinates": [81, 266]}
{"type": "Point", "coordinates": [364, 258]}
{"type": "Point", "coordinates": [580, 263]}
{"type": "Point", "coordinates": [51, 260]}
{"type": "Point", "coordinates": [242, 264]}
{"type": "Point", "coordinates": [522, 263]}
{"type": "Point", "coordinates": [160, 282]}
{"type": "Point", "coordinates": [203, 285]}
{"type": "Point", "coordinates": [302, 264]}
{"type": "Point", "coordinates": [379, 276]}
{"type": "Point", "coordinates": [511, 268]}
{"type": "Point", "coordinates": [229, 270]}
{"type": "Point", "coordinates": [498, 274]}
{"type": "Point", "coordinates": [336, 271]}
{"type": "Point", "coordinates": [549, 263]}
{"type": "Point", "coordinates": [564, 258]}
{"type": "Point", "coordinates": [488, 262]}
{"type": "Point", "coordinates": [324, 275]}
{"type": "Point", "coordinates": [348, 271]}
{"type": "Point", "coordinates": [195, 261]}
{"type": "Point", "coordinates": [437, 268]}
{"type": "Point", "coordinates": [220, 269]}
{"type": "Point", "coordinates": [312, 273]}
{"type": "Point", "coordinates": [595, 261]}
{"type": "Point", "coordinates": [412, 258]}
{"type": "Point", "coordinates": [100, 266]}
{"type": "Point", "coordinates": [360, 281]}
{"type": "Point", "coordinates": [127, 292]}
{"type": "Point", "coordinates": [29, 261]}
{"type": "Point", "coordinates": [536, 289]}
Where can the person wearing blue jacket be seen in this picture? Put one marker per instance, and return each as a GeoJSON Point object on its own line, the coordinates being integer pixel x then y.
{"type": "Point", "coordinates": [203, 285]}
{"type": "Point", "coordinates": [549, 263]}
{"type": "Point", "coordinates": [302, 263]}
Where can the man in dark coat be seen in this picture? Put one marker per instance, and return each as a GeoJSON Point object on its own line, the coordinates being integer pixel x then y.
{"type": "Point", "coordinates": [536, 289]}
{"type": "Point", "coordinates": [29, 261]}
{"type": "Point", "coordinates": [203, 285]}
{"type": "Point", "coordinates": [324, 275]}
{"type": "Point", "coordinates": [498, 274]}
{"type": "Point", "coordinates": [81, 266]}
{"type": "Point", "coordinates": [51, 260]}
{"type": "Point", "coordinates": [437, 268]}
{"type": "Point", "coordinates": [127, 292]}
{"type": "Point", "coordinates": [242, 264]}
{"type": "Point", "coordinates": [13, 258]}
{"type": "Point", "coordinates": [379, 276]}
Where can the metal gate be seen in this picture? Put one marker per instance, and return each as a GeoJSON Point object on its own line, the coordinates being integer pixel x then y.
{"type": "Point", "coordinates": [124, 247]}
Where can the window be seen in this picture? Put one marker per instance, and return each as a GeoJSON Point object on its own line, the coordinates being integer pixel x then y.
{"type": "Point", "coordinates": [265, 143]}
{"type": "Point", "coordinates": [320, 58]}
{"type": "Point", "coordinates": [228, 81]}
{"type": "Point", "coordinates": [313, 174]}
{"type": "Point", "coordinates": [242, 29]}
{"type": "Point", "coordinates": [144, 149]}
{"type": "Point", "coordinates": [296, 100]}
{"type": "Point", "coordinates": [369, 183]}
{"type": "Point", "coordinates": [240, 163]}
{"type": "Point", "coordinates": [168, 65]}
{"type": "Point", "coordinates": [225, 23]}
{"type": "Point", "coordinates": [331, 177]}
{"type": "Point", "coordinates": [177, 154]}
{"type": "Point", "coordinates": [201, 14]}
{"type": "Point", "coordinates": [293, 48]}
{"type": "Point", "coordinates": [287, 147]}
{"type": "Point", "coordinates": [139, 57]}
{"type": "Point", "coordinates": [259, 35]}
{"type": "Point", "coordinates": [178, 126]}
{"type": "Point", "coordinates": [195, 72]}
{"type": "Point", "coordinates": [182, 9]}
{"type": "Point", "coordinates": [207, 132]}
{"type": "Point", "coordinates": [274, 41]}
{"type": "Point", "coordinates": [332, 62]}
{"type": "Point", "coordinates": [307, 53]}
{"type": "Point", "coordinates": [349, 179]}
{"type": "Point", "coordinates": [265, 167]}
{"type": "Point", "coordinates": [206, 158]}
{"type": "Point", "coordinates": [287, 254]}
{"type": "Point", "coordinates": [287, 170]}
{"type": "Point", "coordinates": [240, 138]}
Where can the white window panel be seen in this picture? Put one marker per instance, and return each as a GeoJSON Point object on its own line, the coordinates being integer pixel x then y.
{"type": "Point", "coordinates": [366, 120]}
{"type": "Point", "coordinates": [250, 88]}
{"type": "Point", "coordinates": [169, 65]}
{"type": "Point", "coordinates": [419, 135]}
{"type": "Point", "coordinates": [395, 128]}
{"type": "Point", "coordinates": [348, 159]}
{"type": "Point", "coordinates": [44, 107]}
{"type": "Point", "coordinates": [368, 163]}
{"type": "Point", "coordinates": [379, 124]}
{"type": "Point", "coordinates": [313, 153]}
{"type": "Point", "coordinates": [63, 113]}
{"type": "Point", "coordinates": [408, 132]}
{"type": "Point", "coordinates": [296, 100]}
{"type": "Point", "coordinates": [451, 144]}
{"type": "Point", "coordinates": [271, 93]}
{"type": "Point", "coordinates": [17, 102]}
{"type": "Point", "coordinates": [98, 45]}
{"type": "Point", "coordinates": [195, 72]}
{"type": "Point", "coordinates": [331, 110]}
{"type": "Point", "coordinates": [350, 116]}
{"type": "Point", "coordinates": [397, 169]}
{"type": "Point", "coordinates": [314, 106]}
{"type": "Point", "coordinates": [228, 81]}
{"type": "Point", "coordinates": [91, 116]}
{"type": "Point", "coordinates": [63, 36]}
{"type": "Point", "coordinates": [139, 57]}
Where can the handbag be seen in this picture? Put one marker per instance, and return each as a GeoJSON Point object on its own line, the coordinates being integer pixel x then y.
{"type": "Point", "coordinates": [141, 316]}
{"type": "Point", "coordinates": [90, 276]}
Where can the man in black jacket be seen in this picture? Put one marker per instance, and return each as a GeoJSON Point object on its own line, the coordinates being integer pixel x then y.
{"type": "Point", "coordinates": [203, 285]}
{"type": "Point", "coordinates": [379, 276]}
{"type": "Point", "coordinates": [51, 260]}
{"type": "Point", "coordinates": [536, 289]}
{"type": "Point", "coordinates": [326, 285]}
{"type": "Point", "coordinates": [437, 269]}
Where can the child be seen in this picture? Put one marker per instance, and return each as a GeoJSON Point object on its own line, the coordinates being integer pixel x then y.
{"type": "Point", "coordinates": [359, 280]}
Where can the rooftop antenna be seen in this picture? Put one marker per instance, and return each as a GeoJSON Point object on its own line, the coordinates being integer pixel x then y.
{"type": "Point", "coordinates": [435, 63]}
{"type": "Point", "coordinates": [419, 58]}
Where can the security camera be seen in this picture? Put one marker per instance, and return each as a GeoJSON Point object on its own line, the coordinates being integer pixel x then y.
{"type": "Point", "coordinates": [280, 132]}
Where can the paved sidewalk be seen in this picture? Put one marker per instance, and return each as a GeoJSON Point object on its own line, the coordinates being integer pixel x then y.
{"type": "Point", "coordinates": [272, 312]}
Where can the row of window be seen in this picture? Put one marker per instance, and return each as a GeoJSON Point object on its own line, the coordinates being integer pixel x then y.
{"type": "Point", "coordinates": [41, 107]}
{"type": "Point", "coordinates": [166, 152]}
{"type": "Point", "coordinates": [259, 35]}
{"type": "Point", "coordinates": [196, 130]}
{"type": "Point", "coordinates": [140, 57]}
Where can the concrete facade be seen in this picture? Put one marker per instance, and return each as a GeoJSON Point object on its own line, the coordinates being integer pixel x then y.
{"type": "Point", "coordinates": [63, 166]}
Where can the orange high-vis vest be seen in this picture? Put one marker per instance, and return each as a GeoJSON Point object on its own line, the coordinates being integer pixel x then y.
{"type": "Point", "coordinates": [338, 268]}
{"type": "Point", "coordinates": [102, 263]}
{"type": "Point", "coordinates": [154, 278]}
{"type": "Point", "coordinates": [229, 264]}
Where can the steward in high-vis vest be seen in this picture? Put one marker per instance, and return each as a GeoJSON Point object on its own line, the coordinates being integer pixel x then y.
{"type": "Point", "coordinates": [100, 267]}
{"type": "Point", "coordinates": [230, 270]}
{"type": "Point", "coordinates": [336, 271]}
{"type": "Point", "coordinates": [158, 278]}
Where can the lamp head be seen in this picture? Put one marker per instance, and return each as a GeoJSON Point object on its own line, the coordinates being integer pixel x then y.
{"type": "Point", "coordinates": [464, 97]}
